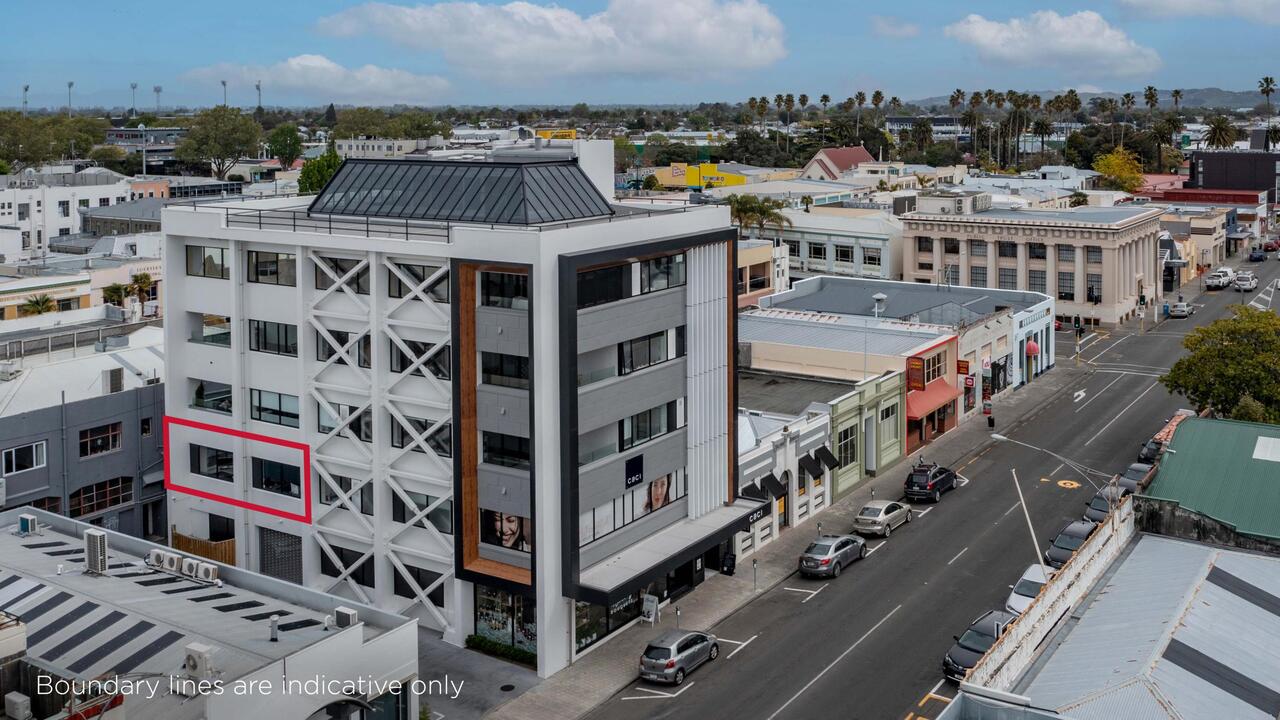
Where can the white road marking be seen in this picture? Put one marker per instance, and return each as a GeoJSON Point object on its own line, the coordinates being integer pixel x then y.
{"type": "Point", "coordinates": [1084, 341]}
{"type": "Point", "coordinates": [1108, 348]}
{"type": "Point", "coordinates": [961, 481]}
{"type": "Point", "coordinates": [873, 549]}
{"type": "Point", "coordinates": [957, 557]}
{"type": "Point", "coordinates": [1127, 372]}
{"type": "Point", "coordinates": [926, 511]}
{"type": "Point", "coordinates": [1079, 396]}
{"type": "Point", "coordinates": [739, 648]}
{"type": "Point", "coordinates": [810, 592]}
{"type": "Point", "coordinates": [1100, 393]}
{"type": "Point", "coordinates": [1117, 417]}
{"type": "Point", "coordinates": [827, 669]}
{"type": "Point", "coordinates": [934, 691]}
{"type": "Point", "coordinates": [1015, 507]}
{"type": "Point", "coordinates": [658, 694]}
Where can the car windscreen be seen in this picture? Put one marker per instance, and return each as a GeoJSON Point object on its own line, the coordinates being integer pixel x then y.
{"type": "Point", "coordinates": [653, 652]}
{"type": "Point", "coordinates": [818, 549]}
{"type": "Point", "coordinates": [976, 641]}
{"type": "Point", "coordinates": [1027, 587]}
{"type": "Point", "coordinates": [869, 512]}
{"type": "Point", "coordinates": [1100, 503]}
{"type": "Point", "coordinates": [1068, 542]}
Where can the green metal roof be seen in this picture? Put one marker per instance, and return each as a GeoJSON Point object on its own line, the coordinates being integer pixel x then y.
{"type": "Point", "coordinates": [1225, 469]}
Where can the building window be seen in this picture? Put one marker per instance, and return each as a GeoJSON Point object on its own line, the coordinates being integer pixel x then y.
{"type": "Point", "coordinates": [213, 396]}
{"type": "Point", "coordinates": [272, 407]}
{"type": "Point", "coordinates": [844, 253]}
{"type": "Point", "coordinates": [889, 423]}
{"type": "Point", "coordinates": [144, 427]}
{"type": "Point", "coordinates": [440, 442]}
{"type": "Point", "coordinates": [978, 248]}
{"type": "Point", "coordinates": [24, 211]}
{"type": "Point", "coordinates": [643, 352]}
{"type": "Point", "coordinates": [923, 264]}
{"type": "Point", "coordinates": [418, 274]}
{"type": "Point", "coordinates": [213, 330]}
{"type": "Point", "coordinates": [104, 202]}
{"type": "Point", "coordinates": [645, 426]}
{"type": "Point", "coordinates": [951, 246]}
{"type": "Point", "coordinates": [1036, 280]}
{"type": "Point", "coordinates": [935, 366]}
{"type": "Point", "coordinates": [24, 457]}
{"type": "Point", "coordinates": [1093, 253]}
{"type": "Point", "coordinates": [100, 496]}
{"type": "Point", "coordinates": [361, 427]}
{"type": "Point", "coordinates": [359, 283]}
{"type": "Point", "coordinates": [1066, 253]}
{"type": "Point", "coordinates": [1008, 278]}
{"type": "Point", "coordinates": [441, 517]}
{"type": "Point", "coordinates": [100, 440]}
{"type": "Point", "coordinates": [207, 262]}
{"type": "Point", "coordinates": [924, 244]}
{"type": "Point", "coordinates": [273, 337]}
{"type": "Point", "coordinates": [615, 514]}
{"type": "Point", "coordinates": [1093, 288]}
{"type": "Point", "coordinates": [1007, 249]}
{"type": "Point", "coordinates": [817, 251]}
{"type": "Point", "coordinates": [64, 208]}
{"type": "Point", "coordinates": [1036, 251]}
{"type": "Point", "coordinates": [847, 446]}
{"type": "Point", "coordinates": [603, 285]}
{"type": "Point", "coordinates": [438, 364]}
{"type": "Point", "coordinates": [270, 268]}
{"type": "Point", "coordinates": [1066, 286]}
{"type": "Point", "coordinates": [871, 256]}
{"type": "Point", "coordinates": [951, 274]}
{"type": "Point", "coordinates": [504, 290]}
{"type": "Point", "coordinates": [504, 370]}
{"type": "Point", "coordinates": [362, 573]}
{"type": "Point", "coordinates": [977, 276]}
{"type": "Point", "coordinates": [212, 462]}
{"type": "Point", "coordinates": [362, 500]}
{"type": "Point", "coordinates": [424, 579]}
{"type": "Point", "coordinates": [505, 450]}
{"type": "Point", "coordinates": [662, 273]}
{"type": "Point", "coordinates": [221, 528]}
{"type": "Point", "coordinates": [277, 477]}
{"type": "Point", "coordinates": [793, 248]}
{"type": "Point", "coordinates": [324, 350]}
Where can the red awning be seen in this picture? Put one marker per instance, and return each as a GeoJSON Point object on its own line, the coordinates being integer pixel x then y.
{"type": "Point", "coordinates": [934, 395]}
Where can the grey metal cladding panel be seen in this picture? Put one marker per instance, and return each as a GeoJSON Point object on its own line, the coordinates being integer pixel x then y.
{"type": "Point", "coordinates": [442, 195]}
{"type": "Point", "coordinates": [563, 195]}
{"type": "Point", "coordinates": [408, 194]}
{"type": "Point", "coordinates": [619, 540]}
{"type": "Point", "coordinates": [600, 483]}
{"type": "Point", "coordinates": [1223, 677]}
{"type": "Point", "coordinates": [587, 196]}
{"type": "Point", "coordinates": [464, 194]}
{"type": "Point", "coordinates": [505, 197]}
{"type": "Point", "coordinates": [432, 180]}
{"type": "Point", "coordinates": [622, 396]}
{"type": "Point", "coordinates": [481, 190]}
{"type": "Point", "coordinates": [503, 489]}
{"type": "Point", "coordinates": [756, 468]}
{"type": "Point", "coordinates": [501, 554]}
{"type": "Point", "coordinates": [630, 318]}
{"type": "Point", "coordinates": [384, 191]}
{"type": "Point", "coordinates": [811, 440]}
{"type": "Point", "coordinates": [540, 206]}
{"type": "Point", "coordinates": [576, 193]}
{"type": "Point", "coordinates": [370, 192]}
{"type": "Point", "coordinates": [502, 330]}
{"type": "Point", "coordinates": [502, 409]}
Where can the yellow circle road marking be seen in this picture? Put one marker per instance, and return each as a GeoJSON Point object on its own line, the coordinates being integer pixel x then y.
{"type": "Point", "coordinates": [1068, 484]}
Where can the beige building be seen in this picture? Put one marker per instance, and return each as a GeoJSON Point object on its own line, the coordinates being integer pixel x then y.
{"type": "Point", "coordinates": [1097, 262]}
{"type": "Point", "coordinates": [1207, 227]}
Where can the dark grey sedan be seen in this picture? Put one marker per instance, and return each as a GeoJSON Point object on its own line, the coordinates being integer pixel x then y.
{"type": "Point", "coordinates": [674, 654]}
{"type": "Point", "coordinates": [974, 643]}
{"type": "Point", "coordinates": [1133, 475]}
{"type": "Point", "coordinates": [1068, 540]}
{"type": "Point", "coordinates": [1097, 509]}
{"type": "Point", "coordinates": [827, 556]}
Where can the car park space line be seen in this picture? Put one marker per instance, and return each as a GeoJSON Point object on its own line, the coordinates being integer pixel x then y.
{"type": "Point", "coordinates": [658, 694]}
{"type": "Point", "coordinates": [877, 547]}
{"type": "Point", "coordinates": [1122, 412]}
{"type": "Point", "coordinates": [1099, 393]}
{"type": "Point", "coordinates": [740, 645]}
{"type": "Point", "coordinates": [957, 557]}
{"type": "Point", "coordinates": [922, 513]}
{"type": "Point", "coordinates": [810, 592]}
{"type": "Point", "coordinates": [835, 662]}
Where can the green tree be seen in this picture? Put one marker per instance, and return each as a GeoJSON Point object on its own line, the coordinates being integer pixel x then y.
{"type": "Point", "coordinates": [1079, 199]}
{"type": "Point", "coordinates": [1120, 170]}
{"type": "Point", "coordinates": [751, 211]}
{"type": "Point", "coordinates": [1219, 132]}
{"type": "Point", "coordinates": [1250, 410]}
{"type": "Point", "coordinates": [360, 121]}
{"type": "Point", "coordinates": [220, 136]}
{"type": "Point", "coordinates": [317, 171]}
{"type": "Point", "coordinates": [330, 115]}
{"type": "Point", "coordinates": [115, 294]}
{"type": "Point", "coordinates": [416, 125]}
{"type": "Point", "coordinates": [1176, 96]}
{"type": "Point", "coordinates": [1267, 86]}
{"type": "Point", "coordinates": [922, 132]}
{"type": "Point", "coordinates": [5, 169]}
{"type": "Point", "coordinates": [141, 284]}
{"type": "Point", "coordinates": [625, 155]}
{"type": "Point", "coordinates": [1230, 359]}
{"type": "Point", "coordinates": [651, 182]}
{"type": "Point", "coordinates": [38, 305]}
{"type": "Point", "coordinates": [285, 144]}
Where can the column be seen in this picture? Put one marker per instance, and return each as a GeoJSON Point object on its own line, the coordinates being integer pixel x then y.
{"type": "Point", "coordinates": [1080, 269]}
{"type": "Point", "coordinates": [1022, 265]}
{"type": "Point", "coordinates": [1051, 270]}
{"type": "Point", "coordinates": [964, 262]}
{"type": "Point", "coordinates": [992, 264]}
{"type": "Point", "coordinates": [938, 262]}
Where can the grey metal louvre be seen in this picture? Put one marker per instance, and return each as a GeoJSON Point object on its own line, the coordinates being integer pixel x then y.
{"type": "Point", "coordinates": [503, 193]}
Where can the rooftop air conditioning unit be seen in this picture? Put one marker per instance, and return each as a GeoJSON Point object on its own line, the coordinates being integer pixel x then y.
{"type": "Point", "coordinates": [172, 561]}
{"type": "Point", "coordinates": [208, 572]}
{"type": "Point", "coordinates": [190, 566]}
{"type": "Point", "coordinates": [345, 617]}
{"type": "Point", "coordinates": [95, 552]}
{"type": "Point", "coordinates": [155, 558]}
{"type": "Point", "coordinates": [28, 524]}
{"type": "Point", "coordinates": [17, 706]}
{"type": "Point", "coordinates": [198, 661]}
{"type": "Point", "coordinates": [9, 370]}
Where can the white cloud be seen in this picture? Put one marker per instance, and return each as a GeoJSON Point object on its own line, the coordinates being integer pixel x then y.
{"type": "Point", "coordinates": [1262, 11]}
{"type": "Point", "coordinates": [1082, 45]}
{"type": "Point", "coordinates": [523, 41]}
{"type": "Point", "coordinates": [316, 77]}
{"type": "Point", "coordinates": [893, 27]}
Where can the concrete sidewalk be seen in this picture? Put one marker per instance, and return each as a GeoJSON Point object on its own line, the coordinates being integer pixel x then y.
{"type": "Point", "coordinates": [611, 666]}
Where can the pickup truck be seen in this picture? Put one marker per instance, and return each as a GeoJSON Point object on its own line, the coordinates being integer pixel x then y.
{"type": "Point", "coordinates": [1218, 279]}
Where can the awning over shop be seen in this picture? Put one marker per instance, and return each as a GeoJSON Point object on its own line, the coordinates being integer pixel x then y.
{"type": "Point", "coordinates": [934, 395]}
{"type": "Point", "coordinates": [827, 457]}
{"type": "Point", "coordinates": [812, 467]}
{"type": "Point", "coordinates": [773, 486]}
{"type": "Point", "coordinates": [753, 491]}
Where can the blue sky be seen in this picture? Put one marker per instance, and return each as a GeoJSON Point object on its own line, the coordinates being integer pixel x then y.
{"type": "Point", "coordinates": [621, 51]}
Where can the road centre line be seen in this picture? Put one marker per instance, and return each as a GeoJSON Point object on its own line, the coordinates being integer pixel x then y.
{"type": "Point", "coordinates": [1098, 394]}
{"type": "Point", "coordinates": [1109, 347]}
{"type": "Point", "coordinates": [1015, 507]}
{"type": "Point", "coordinates": [957, 557]}
{"type": "Point", "coordinates": [1117, 417]}
{"type": "Point", "coordinates": [827, 669]}
{"type": "Point", "coordinates": [1127, 372]}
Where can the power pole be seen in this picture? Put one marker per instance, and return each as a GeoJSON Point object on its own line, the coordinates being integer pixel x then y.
{"type": "Point", "coordinates": [133, 98]}
{"type": "Point", "coordinates": [157, 90]}
{"type": "Point", "coordinates": [258, 86]}
{"type": "Point", "coordinates": [70, 84]}
{"type": "Point", "coordinates": [224, 92]}
{"type": "Point", "coordinates": [25, 88]}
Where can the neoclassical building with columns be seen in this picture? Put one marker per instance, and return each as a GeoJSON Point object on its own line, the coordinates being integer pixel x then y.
{"type": "Point", "coordinates": [1096, 261]}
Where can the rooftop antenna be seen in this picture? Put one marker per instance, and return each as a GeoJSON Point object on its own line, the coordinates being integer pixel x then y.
{"type": "Point", "coordinates": [70, 84]}
{"type": "Point", "coordinates": [25, 89]}
{"type": "Point", "coordinates": [224, 91]}
{"type": "Point", "coordinates": [133, 99]}
{"type": "Point", "coordinates": [157, 90]}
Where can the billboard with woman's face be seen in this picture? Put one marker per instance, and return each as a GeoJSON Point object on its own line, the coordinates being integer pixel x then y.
{"type": "Point", "coordinates": [506, 530]}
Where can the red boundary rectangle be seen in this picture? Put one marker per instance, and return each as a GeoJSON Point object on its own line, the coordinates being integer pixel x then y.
{"type": "Point", "coordinates": [306, 463]}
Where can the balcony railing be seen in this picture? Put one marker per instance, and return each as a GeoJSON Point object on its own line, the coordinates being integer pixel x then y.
{"type": "Point", "coordinates": [223, 551]}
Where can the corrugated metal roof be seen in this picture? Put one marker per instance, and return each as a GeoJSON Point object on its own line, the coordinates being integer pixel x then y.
{"type": "Point", "coordinates": [1216, 469]}
{"type": "Point", "coordinates": [1118, 660]}
{"type": "Point", "coordinates": [506, 193]}
{"type": "Point", "coordinates": [830, 335]}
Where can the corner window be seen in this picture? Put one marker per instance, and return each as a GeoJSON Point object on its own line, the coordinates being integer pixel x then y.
{"type": "Point", "coordinates": [270, 268]}
{"type": "Point", "coordinates": [207, 262]}
{"type": "Point", "coordinates": [277, 477]}
{"type": "Point", "coordinates": [603, 285]}
{"type": "Point", "coordinates": [662, 273]}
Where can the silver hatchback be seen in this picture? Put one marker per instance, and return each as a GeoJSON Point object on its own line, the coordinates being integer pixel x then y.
{"type": "Point", "coordinates": [670, 657]}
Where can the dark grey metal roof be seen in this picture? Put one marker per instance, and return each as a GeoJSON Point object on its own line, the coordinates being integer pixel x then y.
{"type": "Point", "coordinates": [507, 193]}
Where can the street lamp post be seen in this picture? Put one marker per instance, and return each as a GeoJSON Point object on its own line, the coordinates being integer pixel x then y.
{"type": "Point", "coordinates": [1030, 528]}
{"type": "Point", "coordinates": [1083, 470]}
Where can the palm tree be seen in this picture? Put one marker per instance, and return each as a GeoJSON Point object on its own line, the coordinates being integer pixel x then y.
{"type": "Point", "coordinates": [1176, 95]}
{"type": "Point", "coordinates": [895, 104]}
{"type": "Point", "coordinates": [1127, 101]}
{"type": "Point", "coordinates": [141, 285]}
{"type": "Point", "coordinates": [975, 119]}
{"type": "Point", "coordinates": [802, 101]}
{"type": "Point", "coordinates": [747, 211]}
{"type": "Point", "coordinates": [1151, 97]}
{"type": "Point", "coordinates": [778, 99]}
{"type": "Point", "coordinates": [824, 100]}
{"type": "Point", "coordinates": [956, 101]}
{"type": "Point", "coordinates": [762, 109]}
{"type": "Point", "coordinates": [1266, 86]}
{"type": "Point", "coordinates": [751, 106]}
{"type": "Point", "coordinates": [1042, 128]}
{"type": "Point", "coordinates": [859, 99]}
{"type": "Point", "coordinates": [877, 98]}
{"type": "Point", "coordinates": [1219, 132]}
{"type": "Point", "coordinates": [38, 305]}
{"type": "Point", "coordinates": [115, 294]}
{"type": "Point", "coordinates": [789, 102]}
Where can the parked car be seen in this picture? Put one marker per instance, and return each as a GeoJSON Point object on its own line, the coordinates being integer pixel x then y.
{"type": "Point", "coordinates": [1218, 279]}
{"type": "Point", "coordinates": [1257, 255]}
{"type": "Point", "coordinates": [1072, 536]}
{"type": "Point", "coordinates": [1245, 282]}
{"type": "Point", "coordinates": [1097, 509]}
{"type": "Point", "coordinates": [827, 556]}
{"type": "Point", "coordinates": [674, 654]}
{"type": "Point", "coordinates": [1272, 244]}
{"type": "Point", "coordinates": [929, 480]}
{"type": "Point", "coordinates": [1026, 589]}
{"type": "Point", "coordinates": [1133, 475]}
{"type": "Point", "coordinates": [880, 517]}
{"type": "Point", "coordinates": [974, 643]}
{"type": "Point", "coordinates": [1150, 451]}
{"type": "Point", "coordinates": [1181, 310]}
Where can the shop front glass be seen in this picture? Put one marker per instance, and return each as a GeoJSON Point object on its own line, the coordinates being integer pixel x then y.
{"type": "Point", "coordinates": [508, 618]}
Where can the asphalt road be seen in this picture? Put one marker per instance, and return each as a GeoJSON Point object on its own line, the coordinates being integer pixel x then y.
{"type": "Point", "coordinates": [869, 644]}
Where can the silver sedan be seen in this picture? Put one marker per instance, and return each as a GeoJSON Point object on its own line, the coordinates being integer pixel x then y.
{"type": "Point", "coordinates": [880, 517]}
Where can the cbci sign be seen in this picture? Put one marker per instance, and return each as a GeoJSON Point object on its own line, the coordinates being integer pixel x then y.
{"type": "Point", "coordinates": [634, 471]}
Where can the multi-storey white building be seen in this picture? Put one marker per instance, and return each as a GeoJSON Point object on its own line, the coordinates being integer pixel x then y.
{"type": "Point", "coordinates": [473, 392]}
{"type": "Point", "coordinates": [42, 206]}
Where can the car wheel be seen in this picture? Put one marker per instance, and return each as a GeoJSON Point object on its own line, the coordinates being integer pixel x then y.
{"type": "Point", "coordinates": [908, 516]}
{"type": "Point", "coordinates": [888, 528]}
{"type": "Point", "coordinates": [835, 571]}
{"type": "Point", "coordinates": [679, 678]}
{"type": "Point", "coordinates": [715, 652]}
{"type": "Point", "coordinates": [937, 496]}
{"type": "Point", "coordinates": [863, 552]}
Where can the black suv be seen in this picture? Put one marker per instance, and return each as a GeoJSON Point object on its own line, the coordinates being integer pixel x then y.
{"type": "Point", "coordinates": [929, 481]}
{"type": "Point", "coordinates": [1150, 451]}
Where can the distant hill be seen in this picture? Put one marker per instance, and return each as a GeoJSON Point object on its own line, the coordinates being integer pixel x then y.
{"type": "Point", "coordinates": [1191, 97]}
